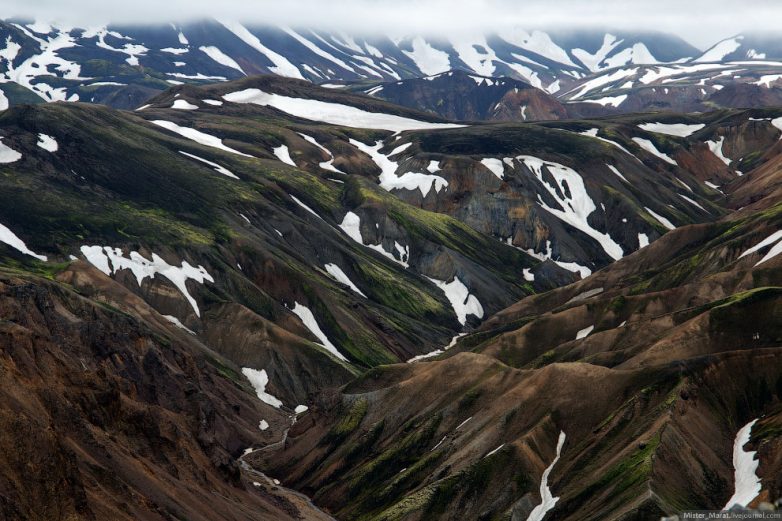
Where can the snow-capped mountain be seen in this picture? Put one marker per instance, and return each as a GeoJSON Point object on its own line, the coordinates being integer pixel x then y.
{"type": "Point", "coordinates": [592, 72]}
{"type": "Point", "coordinates": [749, 46]}
{"type": "Point", "coordinates": [122, 65]}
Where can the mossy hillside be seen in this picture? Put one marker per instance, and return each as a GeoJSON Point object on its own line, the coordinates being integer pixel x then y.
{"type": "Point", "coordinates": [128, 180]}
{"type": "Point", "coordinates": [155, 197]}
{"type": "Point", "coordinates": [704, 254]}
{"type": "Point", "coordinates": [358, 342]}
{"type": "Point", "coordinates": [398, 293]}
{"type": "Point", "coordinates": [349, 421]}
{"type": "Point", "coordinates": [635, 205]}
{"type": "Point", "coordinates": [491, 476]}
{"type": "Point", "coordinates": [426, 226]}
{"type": "Point", "coordinates": [405, 303]}
{"type": "Point", "coordinates": [19, 95]}
{"type": "Point", "coordinates": [511, 139]}
{"type": "Point", "coordinates": [624, 479]}
{"type": "Point", "coordinates": [14, 262]}
{"type": "Point", "coordinates": [724, 304]}
{"type": "Point", "coordinates": [364, 480]}
{"type": "Point", "coordinates": [122, 182]}
{"type": "Point", "coordinates": [477, 341]}
{"type": "Point", "coordinates": [630, 419]}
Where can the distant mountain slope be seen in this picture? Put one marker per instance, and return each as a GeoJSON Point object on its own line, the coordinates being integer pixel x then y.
{"type": "Point", "coordinates": [97, 63]}
{"type": "Point", "coordinates": [750, 46]}
{"type": "Point", "coordinates": [459, 95]}
{"type": "Point", "coordinates": [686, 87]}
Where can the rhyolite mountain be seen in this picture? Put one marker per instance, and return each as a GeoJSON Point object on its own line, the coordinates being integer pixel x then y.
{"type": "Point", "coordinates": [208, 304]}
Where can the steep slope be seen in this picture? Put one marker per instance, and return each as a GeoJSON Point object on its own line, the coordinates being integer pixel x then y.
{"type": "Point", "coordinates": [177, 256]}
{"type": "Point", "coordinates": [552, 192]}
{"type": "Point", "coordinates": [325, 270]}
{"type": "Point", "coordinates": [117, 414]}
{"type": "Point", "coordinates": [674, 348]}
{"type": "Point", "coordinates": [291, 244]}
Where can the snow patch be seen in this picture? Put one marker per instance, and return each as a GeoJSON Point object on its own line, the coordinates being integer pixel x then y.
{"type": "Point", "coordinates": [217, 167]}
{"type": "Point", "coordinates": [575, 207]}
{"type": "Point", "coordinates": [197, 136]}
{"type": "Point", "coordinates": [407, 181]}
{"type": "Point", "coordinates": [8, 237]}
{"type": "Point", "coordinates": [539, 43]}
{"type": "Point", "coordinates": [716, 149]}
{"type": "Point", "coordinates": [592, 132]}
{"type": "Point", "coordinates": [340, 276]}
{"type": "Point", "coordinates": [721, 50]}
{"type": "Point", "coordinates": [8, 154]}
{"type": "Point", "coordinates": [662, 220]}
{"type": "Point", "coordinates": [284, 155]}
{"type": "Point", "coordinates": [547, 500]}
{"type": "Point", "coordinates": [649, 147]}
{"type": "Point", "coordinates": [618, 173]}
{"type": "Point", "coordinates": [317, 50]}
{"type": "Point", "coordinates": [174, 320]}
{"type": "Point", "coordinates": [181, 104]}
{"type": "Point", "coordinates": [142, 268]}
{"type": "Point", "coordinates": [583, 333]}
{"type": "Point", "coordinates": [693, 202]}
{"type": "Point", "coordinates": [438, 352]}
{"type": "Point", "coordinates": [325, 165]}
{"type": "Point", "coordinates": [495, 166]}
{"type": "Point", "coordinates": [611, 101]}
{"type": "Point", "coordinates": [583, 271]}
{"type": "Point", "coordinates": [461, 300]}
{"type": "Point", "coordinates": [775, 237]}
{"type": "Point", "coordinates": [351, 225]}
{"type": "Point", "coordinates": [220, 57]}
{"type": "Point", "coordinates": [47, 143]}
{"type": "Point", "coordinates": [429, 60]}
{"type": "Point", "coordinates": [747, 483]}
{"type": "Point", "coordinates": [495, 451]}
{"type": "Point", "coordinates": [333, 113]}
{"type": "Point", "coordinates": [310, 323]}
{"type": "Point", "coordinates": [259, 380]}
{"type": "Point", "coordinates": [672, 129]}
{"type": "Point", "coordinates": [307, 208]}
{"type": "Point", "coordinates": [281, 67]}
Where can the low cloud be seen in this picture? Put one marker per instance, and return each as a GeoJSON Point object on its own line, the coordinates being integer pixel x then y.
{"type": "Point", "coordinates": [700, 22]}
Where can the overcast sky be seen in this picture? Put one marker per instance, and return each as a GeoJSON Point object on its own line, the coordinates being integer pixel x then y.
{"type": "Point", "coordinates": [701, 22]}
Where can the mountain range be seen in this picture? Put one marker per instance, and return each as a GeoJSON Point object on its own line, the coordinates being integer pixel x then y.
{"type": "Point", "coordinates": [121, 66]}
{"type": "Point", "coordinates": [257, 273]}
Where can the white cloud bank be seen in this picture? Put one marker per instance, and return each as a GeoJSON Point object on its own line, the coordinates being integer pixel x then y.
{"type": "Point", "coordinates": [716, 19]}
